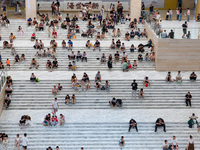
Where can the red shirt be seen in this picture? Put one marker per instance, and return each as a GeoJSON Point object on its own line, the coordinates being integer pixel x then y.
{"type": "Point", "coordinates": [54, 33]}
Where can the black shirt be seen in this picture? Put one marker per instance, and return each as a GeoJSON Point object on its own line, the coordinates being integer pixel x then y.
{"type": "Point", "coordinates": [159, 120]}
{"type": "Point", "coordinates": [55, 62]}
{"type": "Point", "coordinates": [151, 8]}
{"type": "Point", "coordinates": [134, 85]}
{"type": "Point", "coordinates": [132, 122]}
{"type": "Point", "coordinates": [188, 96]}
{"type": "Point", "coordinates": [143, 7]}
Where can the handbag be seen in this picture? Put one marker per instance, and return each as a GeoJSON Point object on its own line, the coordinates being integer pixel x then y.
{"type": "Point", "coordinates": [74, 37]}
{"type": "Point", "coordinates": [146, 85]}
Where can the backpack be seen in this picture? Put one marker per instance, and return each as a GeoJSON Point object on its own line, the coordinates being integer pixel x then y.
{"type": "Point", "coordinates": [37, 80]}
{"type": "Point", "coordinates": [102, 88]}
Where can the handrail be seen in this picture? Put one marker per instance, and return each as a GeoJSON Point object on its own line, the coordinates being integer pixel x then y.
{"type": "Point", "coordinates": [3, 76]}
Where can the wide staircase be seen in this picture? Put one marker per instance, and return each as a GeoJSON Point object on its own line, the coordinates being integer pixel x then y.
{"type": "Point", "coordinates": [160, 95]}
{"type": "Point", "coordinates": [101, 136]}
{"type": "Point", "coordinates": [93, 63]}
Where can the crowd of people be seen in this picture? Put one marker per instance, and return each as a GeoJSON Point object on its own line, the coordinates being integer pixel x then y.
{"type": "Point", "coordinates": [107, 26]}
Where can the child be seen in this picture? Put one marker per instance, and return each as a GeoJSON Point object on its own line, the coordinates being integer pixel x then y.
{"type": "Point", "coordinates": [8, 63]}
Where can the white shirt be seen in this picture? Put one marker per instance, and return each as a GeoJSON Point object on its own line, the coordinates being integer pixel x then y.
{"type": "Point", "coordinates": [158, 17]}
{"type": "Point", "coordinates": [174, 141]}
{"type": "Point", "coordinates": [55, 104]}
{"type": "Point", "coordinates": [25, 141]}
{"type": "Point", "coordinates": [188, 12]}
{"type": "Point", "coordinates": [191, 141]}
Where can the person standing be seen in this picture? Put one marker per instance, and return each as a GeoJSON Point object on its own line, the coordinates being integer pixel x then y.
{"type": "Point", "coordinates": [188, 98]}
{"type": "Point", "coordinates": [55, 106]}
{"type": "Point", "coordinates": [184, 26]}
{"type": "Point", "coordinates": [180, 13]}
{"type": "Point", "coordinates": [121, 142]}
{"type": "Point", "coordinates": [177, 13]}
{"type": "Point", "coordinates": [170, 14]}
{"type": "Point", "coordinates": [188, 14]}
{"type": "Point", "coordinates": [17, 141]}
{"type": "Point", "coordinates": [24, 142]}
{"type": "Point", "coordinates": [151, 9]}
{"type": "Point", "coordinates": [3, 8]}
{"type": "Point", "coordinates": [134, 87]}
{"type": "Point", "coordinates": [190, 145]}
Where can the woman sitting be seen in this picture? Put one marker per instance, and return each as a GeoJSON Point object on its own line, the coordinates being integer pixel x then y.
{"type": "Point", "coordinates": [33, 77]}
{"type": "Point", "coordinates": [54, 90]}
{"type": "Point", "coordinates": [129, 66]}
{"type": "Point", "coordinates": [146, 82]}
{"type": "Point", "coordinates": [22, 58]}
{"type": "Point", "coordinates": [33, 37]}
{"type": "Point", "coordinates": [63, 44]}
{"type": "Point", "coordinates": [132, 48]}
{"type": "Point", "coordinates": [6, 45]}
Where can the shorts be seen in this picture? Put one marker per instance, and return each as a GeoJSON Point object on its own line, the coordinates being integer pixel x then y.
{"type": "Point", "coordinates": [25, 147]}
{"type": "Point", "coordinates": [55, 109]}
{"type": "Point", "coordinates": [184, 31]}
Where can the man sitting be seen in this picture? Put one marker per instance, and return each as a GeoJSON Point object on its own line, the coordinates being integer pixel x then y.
{"type": "Point", "coordinates": [193, 76]}
{"type": "Point", "coordinates": [132, 124]}
{"type": "Point", "coordinates": [160, 122]}
{"type": "Point", "coordinates": [117, 56]}
{"type": "Point", "coordinates": [164, 34]}
{"type": "Point", "coordinates": [70, 45]}
{"type": "Point", "coordinates": [49, 65]}
{"type": "Point", "coordinates": [72, 56]}
{"type": "Point", "coordinates": [33, 62]}
{"type": "Point", "coordinates": [97, 44]}
{"type": "Point", "coordinates": [179, 77]}
{"type": "Point", "coordinates": [127, 36]}
{"type": "Point", "coordinates": [98, 77]}
{"type": "Point", "coordinates": [29, 22]}
{"type": "Point", "coordinates": [55, 63]}
{"type": "Point", "coordinates": [171, 34]}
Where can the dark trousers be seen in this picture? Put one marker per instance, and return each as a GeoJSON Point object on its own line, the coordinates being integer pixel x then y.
{"type": "Point", "coordinates": [188, 101]}
{"type": "Point", "coordinates": [160, 126]}
{"type": "Point", "coordinates": [131, 126]}
{"type": "Point", "coordinates": [84, 58]}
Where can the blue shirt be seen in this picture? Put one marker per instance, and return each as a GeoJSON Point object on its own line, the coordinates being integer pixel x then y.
{"type": "Point", "coordinates": [71, 43]}
{"type": "Point", "coordinates": [4, 8]}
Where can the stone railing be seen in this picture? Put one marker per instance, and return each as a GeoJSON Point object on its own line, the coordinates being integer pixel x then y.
{"type": "Point", "coordinates": [77, 5]}
{"type": "Point", "coordinates": [3, 76]}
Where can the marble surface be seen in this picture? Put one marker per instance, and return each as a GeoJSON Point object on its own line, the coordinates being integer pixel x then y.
{"type": "Point", "coordinates": [100, 115]}
{"type": "Point", "coordinates": [108, 75]}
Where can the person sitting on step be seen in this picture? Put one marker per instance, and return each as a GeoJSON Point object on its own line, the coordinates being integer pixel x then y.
{"type": "Point", "coordinates": [33, 77]}
{"type": "Point", "coordinates": [179, 77]}
{"type": "Point", "coordinates": [141, 93]}
{"type": "Point", "coordinates": [160, 123]}
{"type": "Point", "coordinates": [47, 119]}
{"type": "Point", "coordinates": [8, 90]}
{"type": "Point", "coordinates": [54, 121]}
{"type": "Point", "coordinates": [132, 124]}
{"type": "Point", "coordinates": [193, 76]}
{"type": "Point", "coordinates": [7, 101]}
